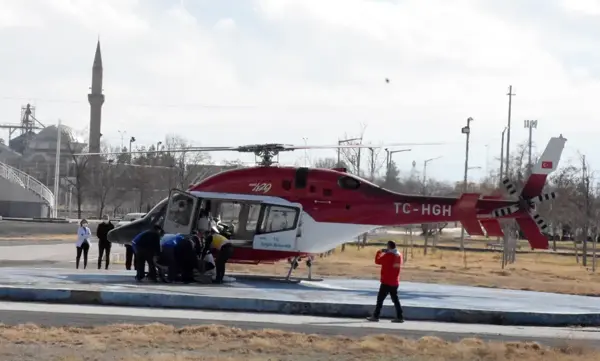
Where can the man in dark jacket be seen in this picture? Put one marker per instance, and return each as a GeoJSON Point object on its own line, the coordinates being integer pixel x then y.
{"type": "Point", "coordinates": [103, 244]}
{"type": "Point", "coordinates": [390, 261]}
{"type": "Point", "coordinates": [146, 246]}
{"type": "Point", "coordinates": [186, 256]}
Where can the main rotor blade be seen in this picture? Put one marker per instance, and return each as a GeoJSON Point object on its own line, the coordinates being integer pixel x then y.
{"type": "Point", "coordinates": [178, 150]}
{"type": "Point", "coordinates": [258, 147]}
{"type": "Point", "coordinates": [295, 147]}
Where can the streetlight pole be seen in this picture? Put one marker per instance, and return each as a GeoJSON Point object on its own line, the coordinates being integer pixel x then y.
{"type": "Point", "coordinates": [305, 151]}
{"type": "Point", "coordinates": [510, 95]}
{"type": "Point", "coordinates": [57, 171]}
{"type": "Point", "coordinates": [392, 152]}
{"type": "Point", "coordinates": [387, 162]}
{"type": "Point", "coordinates": [465, 130]}
{"type": "Point", "coordinates": [122, 133]}
{"type": "Point", "coordinates": [131, 140]}
{"type": "Point", "coordinates": [425, 172]}
{"type": "Point", "coordinates": [502, 155]}
{"type": "Point", "coordinates": [470, 168]}
{"type": "Point", "coordinates": [531, 124]}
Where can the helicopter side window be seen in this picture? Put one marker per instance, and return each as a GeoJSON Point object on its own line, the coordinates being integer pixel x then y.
{"type": "Point", "coordinates": [253, 214]}
{"type": "Point", "coordinates": [346, 182]}
{"type": "Point", "coordinates": [157, 214]}
{"type": "Point", "coordinates": [229, 213]}
{"type": "Point", "coordinates": [278, 219]}
{"type": "Point", "coordinates": [180, 210]}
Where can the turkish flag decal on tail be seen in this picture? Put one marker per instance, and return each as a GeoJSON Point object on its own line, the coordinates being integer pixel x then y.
{"type": "Point", "coordinates": [546, 165]}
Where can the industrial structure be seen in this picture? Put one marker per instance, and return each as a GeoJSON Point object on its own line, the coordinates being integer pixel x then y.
{"type": "Point", "coordinates": [21, 194]}
{"type": "Point", "coordinates": [28, 167]}
{"type": "Point", "coordinates": [27, 160]}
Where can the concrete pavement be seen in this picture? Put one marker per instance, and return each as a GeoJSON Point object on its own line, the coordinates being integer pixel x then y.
{"type": "Point", "coordinates": [51, 253]}
{"type": "Point", "coordinates": [332, 297]}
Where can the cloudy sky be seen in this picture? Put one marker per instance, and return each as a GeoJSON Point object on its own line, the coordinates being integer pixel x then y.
{"type": "Point", "coordinates": [234, 72]}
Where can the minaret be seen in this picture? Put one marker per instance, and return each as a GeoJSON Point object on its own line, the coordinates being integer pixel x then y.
{"type": "Point", "coordinates": [96, 99]}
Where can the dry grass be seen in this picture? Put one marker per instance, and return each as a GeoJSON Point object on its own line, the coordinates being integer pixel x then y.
{"type": "Point", "coordinates": [165, 343]}
{"type": "Point", "coordinates": [537, 272]}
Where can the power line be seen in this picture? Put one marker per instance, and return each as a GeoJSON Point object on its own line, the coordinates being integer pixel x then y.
{"type": "Point", "coordinates": [132, 103]}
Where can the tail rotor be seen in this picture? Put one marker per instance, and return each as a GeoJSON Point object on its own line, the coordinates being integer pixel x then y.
{"type": "Point", "coordinates": [524, 204]}
{"type": "Point", "coordinates": [523, 210]}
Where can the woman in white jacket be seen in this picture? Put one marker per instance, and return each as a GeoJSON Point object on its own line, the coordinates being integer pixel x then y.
{"type": "Point", "coordinates": [83, 243]}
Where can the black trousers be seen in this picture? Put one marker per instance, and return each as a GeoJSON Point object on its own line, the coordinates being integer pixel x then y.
{"type": "Point", "coordinates": [104, 251]}
{"type": "Point", "coordinates": [225, 253]}
{"type": "Point", "coordinates": [167, 258]}
{"type": "Point", "coordinates": [129, 255]}
{"type": "Point", "coordinates": [85, 247]}
{"type": "Point", "coordinates": [384, 291]}
{"type": "Point", "coordinates": [142, 257]}
{"type": "Point", "coordinates": [186, 259]}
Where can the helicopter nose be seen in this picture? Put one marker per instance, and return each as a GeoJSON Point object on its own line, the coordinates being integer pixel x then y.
{"type": "Point", "coordinates": [124, 234]}
{"type": "Point", "coordinates": [113, 235]}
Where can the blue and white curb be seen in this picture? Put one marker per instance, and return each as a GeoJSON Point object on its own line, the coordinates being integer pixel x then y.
{"type": "Point", "coordinates": [203, 302]}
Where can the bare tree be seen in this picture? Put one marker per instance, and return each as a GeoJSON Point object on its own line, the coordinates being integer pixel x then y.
{"type": "Point", "coordinates": [325, 163]}
{"type": "Point", "coordinates": [374, 162]}
{"type": "Point", "coordinates": [187, 165]}
{"type": "Point", "coordinates": [104, 185]}
{"type": "Point", "coordinates": [237, 163]}
{"type": "Point", "coordinates": [352, 156]}
{"type": "Point", "coordinates": [78, 165]}
{"type": "Point", "coordinates": [143, 175]}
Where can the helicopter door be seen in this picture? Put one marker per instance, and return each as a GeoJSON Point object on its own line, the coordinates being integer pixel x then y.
{"type": "Point", "coordinates": [277, 228]}
{"type": "Point", "coordinates": [180, 212]}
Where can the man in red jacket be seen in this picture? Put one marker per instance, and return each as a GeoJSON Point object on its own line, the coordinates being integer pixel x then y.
{"type": "Point", "coordinates": [391, 261]}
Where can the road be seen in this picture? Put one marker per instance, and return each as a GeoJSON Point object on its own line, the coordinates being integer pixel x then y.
{"type": "Point", "coordinates": [12, 313]}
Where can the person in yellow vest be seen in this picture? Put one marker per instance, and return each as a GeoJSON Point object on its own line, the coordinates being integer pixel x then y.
{"type": "Point", "coordinates": [219, 244]}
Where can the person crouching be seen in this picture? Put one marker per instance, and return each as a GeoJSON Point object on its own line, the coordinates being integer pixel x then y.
{"type": "Point", "coordinates": [146, 246]}
{"type": "Point", "coordinates": [186, 258]}
{"type": "Point", "coordinates": [224, 249]}
{"type": "Point", "coordinates": [167, 257]}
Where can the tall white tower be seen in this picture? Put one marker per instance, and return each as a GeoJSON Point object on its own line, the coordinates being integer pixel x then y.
{"type": "Point", "coordinates": [96, 99]}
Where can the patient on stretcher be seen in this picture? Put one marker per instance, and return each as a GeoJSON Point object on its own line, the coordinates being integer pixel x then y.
{"type": "Point", "coordinates": [179, 260]}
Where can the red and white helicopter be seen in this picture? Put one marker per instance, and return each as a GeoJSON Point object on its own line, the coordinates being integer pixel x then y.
{"type": "Point", "coordinates": [282, 212]}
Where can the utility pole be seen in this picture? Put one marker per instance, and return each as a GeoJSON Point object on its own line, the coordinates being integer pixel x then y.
{"type": "Point", "coordinates": [502, 156]}
{"type": "Point", "coordinates": [531, 124]}
{"type": "Point", "coordinates": [586, 188]}
{"type": "Point", "coordinates": [510, 95]}
{"type": "Point", "coordinates": [372, 165]}
{"type": "Point", "coordinates": [465, 130]}
{"type": "Point", "coordinates": [359, 157]}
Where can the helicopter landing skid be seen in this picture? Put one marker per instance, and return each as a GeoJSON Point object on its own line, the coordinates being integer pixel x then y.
{"type": "Point", "coordinates": [294, 264]}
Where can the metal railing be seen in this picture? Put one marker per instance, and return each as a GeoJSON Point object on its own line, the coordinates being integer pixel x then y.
{"type": "Point", "coordinates": [28, 182]}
